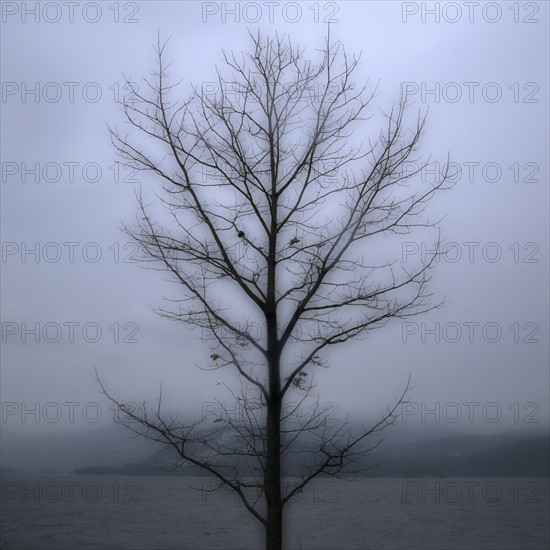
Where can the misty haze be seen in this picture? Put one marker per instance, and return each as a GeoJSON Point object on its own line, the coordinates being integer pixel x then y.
{"type": "Point", "coordinates": [275, 275]}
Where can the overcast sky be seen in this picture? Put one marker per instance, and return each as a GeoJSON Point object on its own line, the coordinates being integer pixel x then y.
{"type": "Point", "coordinates": [482, 71]}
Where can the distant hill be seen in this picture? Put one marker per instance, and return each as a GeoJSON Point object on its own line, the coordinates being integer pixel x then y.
{"type": "Point", "coordinates": [468, 456]}
{"type": "Point", "coordinates": [409, 451]}
{"type": "Point", "coordinates": [502, 455]}
{"type": "Point", "coordinates": [160, 463]}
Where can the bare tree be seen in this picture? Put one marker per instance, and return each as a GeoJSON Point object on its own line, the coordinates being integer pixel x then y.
{"type": "Point", "coordinates": [274, 189]}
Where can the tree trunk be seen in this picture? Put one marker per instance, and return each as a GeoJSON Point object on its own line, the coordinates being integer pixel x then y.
{"type": "Point", "coordinates": [274, 527]}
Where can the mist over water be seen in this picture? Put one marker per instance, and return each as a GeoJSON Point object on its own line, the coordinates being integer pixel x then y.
{"type": "Point", "coordinates": [467, 464]}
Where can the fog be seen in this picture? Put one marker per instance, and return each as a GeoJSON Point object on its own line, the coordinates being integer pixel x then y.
{"type": "Point", "coordinates": [74, 299]}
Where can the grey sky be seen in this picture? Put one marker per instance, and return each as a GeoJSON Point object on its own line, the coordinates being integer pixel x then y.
{"type": "Point", "coordinates": [496, 214]}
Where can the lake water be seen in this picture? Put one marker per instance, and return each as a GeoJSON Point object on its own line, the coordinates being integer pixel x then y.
{"type": "Point", "coordinates": [106, 512]}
